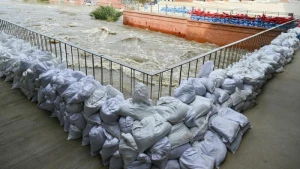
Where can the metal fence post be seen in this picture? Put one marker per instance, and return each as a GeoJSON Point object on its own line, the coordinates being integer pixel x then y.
{"type": "Point", "coordinates": [174, 9]}
{"type": "Point", "coordinates": [151, 8]}
{"type": "Point", "coordinates": [166, 9]}
{"type": "Point", "coordinates": [158, 7]}
{"type": "Point", "coordinates": [183, 11]}
{"type": "Point", "coordinates": [192, 12]}
{"type": "Point", "coordinates": [138, 6]}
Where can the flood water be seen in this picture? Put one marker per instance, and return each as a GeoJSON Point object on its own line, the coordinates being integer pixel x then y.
{"type": "Point", "coordinates": [143, 49]}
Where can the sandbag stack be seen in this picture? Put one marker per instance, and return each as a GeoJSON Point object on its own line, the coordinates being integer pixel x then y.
{"type": "Point", "coordinates": [192, 129]}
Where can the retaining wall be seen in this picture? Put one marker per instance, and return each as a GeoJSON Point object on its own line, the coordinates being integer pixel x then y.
{"type": "Point", "coordinates": [162, 23]}
{"type": "Point", "coordinates": [217, 33]}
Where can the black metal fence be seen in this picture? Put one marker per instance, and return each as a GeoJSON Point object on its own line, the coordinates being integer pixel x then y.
{"type": "Point", "coordinates": [123, 76]}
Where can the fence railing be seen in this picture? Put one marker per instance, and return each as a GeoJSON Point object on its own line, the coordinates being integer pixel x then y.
{"type": "Point", "coordinates": [185, 11]}
{"type": "Point", "coordinates": [222, 57]}
{"type": "Point", "coordinates": [104, 68]}
{"type": "Point", "coordinates": [123, 76]}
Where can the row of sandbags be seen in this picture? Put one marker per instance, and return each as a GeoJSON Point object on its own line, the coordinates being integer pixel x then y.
{"type": "Point", "coordinates": [234, 88]}
{"type": "Point", "coordinates": [193, 129]}
{"type": "Point", "coordinates": [128, 133]}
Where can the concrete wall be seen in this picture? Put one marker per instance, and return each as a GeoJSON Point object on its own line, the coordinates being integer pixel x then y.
{"type": "Point", "coordinates": [219, 34]}
{"type": "Point", "coordinates": [223, 34]}
{"type": "Point", "coordinates": [161, 23]}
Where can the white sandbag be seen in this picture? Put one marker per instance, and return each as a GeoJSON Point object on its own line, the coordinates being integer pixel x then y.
{"type": "Point", "coordinates": [93, 119]}
{"type": "Point", "coordinates": [206, 69]}
{"type": "Point", "coordinates": [250, 89]}
{"type": "Point", "coordinates": [235, 144]}
{"type": "Point", "coordinates": [201, 106]}
{"type": "Point", "coordinates": [62, 107]}
{"type": "Point", "coordinates": [79, 91]}
{"type": "Point", "coordinates": [179, 135]}
{"type": "Point", "coordinates": [229, 85]}
{"type": "Point", "coordinates": [223, 95]}
{"type": "Point", "coordinates": [9, 77]}
{"type": "Point", "coordinates": [239, 83]}
{"type": "Point", "coordinates": [63, 80]}
{"type": "Point", "coordinates": [239, 96]}
{"type": "Point", "coordinates": [57, 102]}
{"type": "Point", "coordinates": [108, 111]}
{"type": "Point", "coordinates": [244, 129]}
{"type": "Point", "coordinates": [140, 94]}
{"type": "Point", "coordinates": [116, 161]}
{"type": "Point", "coordinates": [54, 114]}
{"type": "Point", "coordinates": [149, 130]}
{"type": "Point", "coordinates": [212, 146]}
{"type": "Point", "coordinates": [74, 133]}
{"type": "Point", "coordinates": [199, 88]}
{"type": "Point", "coordinates": [172, 109]}
{"type": "Point", "coordinates": [95, 101]}
{"type": "Point", "coordinates": [185, 92]}
{"type": "Point", "coordinates": [214, 110]}
{"type": "Point", "coordinates": [227, 103]}
{"type": "Point", "coordinates": [46, 77]}
{"type": "Point", "coordinates": [227, 129]}
{"type": "Point", "coordinates": [192, 159]}
{"type": "Point", "coordinates": [143, 162]}
{"type": "Point", "coordinates": [230, 114]}
{"type": "Point", "coordinates": [47, 105]}
{"type": "Point", "coordinates": [128, 149]}
{"type": "Point", "coordinates": [112, 92]}
{"type": "Point", "coordinates": [78, 120]}
{"type": "Point", "coordinates": [85, 135]}
{"type": "Point", "coordinates": [159, 152]}
{"type": "Point", "coordinates": [50, 93]}
{"type": "Point", "coordinates": [110, 146]}
{"type": "Point", "coordinates": [112, 130]}
{"type": "Point", "coordinates": [137, 111]}
{"type": "Point", "coordinates": [66, 124]}
{"type": "Point", "coordinates": [212, 96]}
{"type": "Point", "coordinates": [199, 131]}
{"type": "Point", "coordinates": [41, 95]}
{"type": "Point", "coordinates": [190, 118]}
{"type": "Point", "coordinates": [209, 84]}
{"type": "Point", "coordinates": [59, 115]}
{"type": "Point", "coordinates": [249, 104]}
{"type": "Point", "coordinates": [173, 164]}
{"type": "Point", "coordinates": [97, 138]}
{"type": "Point", "coordinates": [74, 108]}
{"type": "Point", "coordinates": [72, 91]}
{"type": "Point", "coordinates": [78, 75]}
{"type": "Point", "coordinates": [125, 124]}
{"type": "Point", "coordinates": [239, 107]}
{"type": "Point", "coordinates": [178, 151]}
{"type": "Point", "coordinates": [218, 76]}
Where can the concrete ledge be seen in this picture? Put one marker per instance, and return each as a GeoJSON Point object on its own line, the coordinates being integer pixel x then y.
{"type": "Point", "coordinates": [217, 33]}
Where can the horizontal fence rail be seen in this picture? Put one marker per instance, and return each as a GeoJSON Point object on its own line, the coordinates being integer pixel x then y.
{"type": "Point", "coordinates": [123, 76]}
{"type": "Point", "coordinates": [185, 11]}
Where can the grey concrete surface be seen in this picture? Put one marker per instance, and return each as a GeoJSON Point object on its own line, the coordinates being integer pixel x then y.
{"type": "Point", "coordinates": [274, 140]}
{"type": "Point", "coordinates": [29, 139]}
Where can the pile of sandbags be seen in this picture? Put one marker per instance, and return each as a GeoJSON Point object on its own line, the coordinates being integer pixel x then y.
{"type": "Point", "coordinates": [192, 129]}
{"type": "Point", "coordinates": [289, 39]}
{"type": "Point", "coordinates": [296, 31]}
